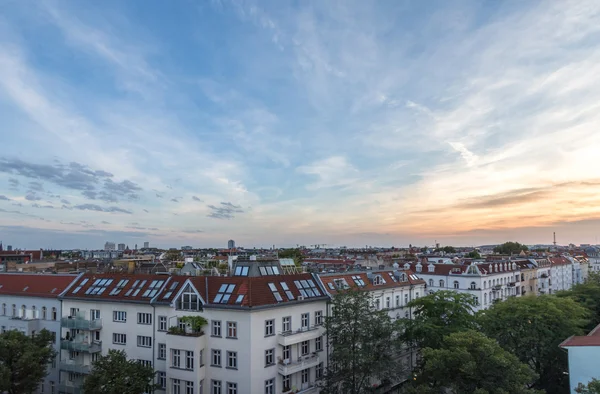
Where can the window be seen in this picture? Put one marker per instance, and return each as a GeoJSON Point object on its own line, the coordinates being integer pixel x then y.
{"type": "Point", "coordinates": [216, 358]}
{"type": "Point", "coordinates": [456, 284]}
{"type": "Point", "coordinates": [473, 285]}
{"type": "Point", "coordinates": [23, 308]}
{"type": "Point", "coordinates": [275, 292]}
{"type": "Point", "coordinates": [378, 280]}
{"type": "Point", "coordinates": [318, 318]}
{"type": "Point", "coordinates": [287, 383]}
{"type": "Point", "coordinates": [286, 288]}
{"type": "Point", "coordinates": [286, 324]}
{"type": "Point", "coordinates": [397, 301]}
{"type": "Point", "coordinates": [144, 318]}
{"type": "Point", "coordinates": [216, 328]}
{"type": "Point", "coordinates": [224, 294]}
{"type": "Point", "coordinates": [241, 271]}
{"type": "Point", "coordinates": [307, 288]}
{"type": "Point", "coordinates": [119, 339]}
{"type": "Point", "coordinates": [51, 387]}
{"type": "Point", "coordinates": [430, 282]}
{"type": "Point", "coordinates": [318, 344]}
{"type": "Point", "coordinates": [270, 386]}
{"type": "Point", "coordinates": [388, 302]}
{"type": "Point", "coordinates": [144, 341]}
{"type": "Point", "coordinates": [119, 316]}
{"type": "Point", "coordinates": [232, 388]}
{"type": "Point", "coordinates": [304, 321]}
{"type": "Point", "coordinates": [145, 363]}
{"type": "Point", "coordinates": [305, 348]}
{"type": "Point", "coordinates": [287, 352]}
{"type": "Point", "coordinates": [176, 358]}
{"type": "Point", "coordinates": [231, 329]}
{"type": "Point", "coordinates": [319, 371]}
{"type": "Point", "coordinates": [377, 304]}
{"type": "Point", "coordinates": [162, 323]}
{"type": "Point", "coordinates": [269, 327]}
{"type": "Point", "coordinates": [405, 299]}
{"type": "Point", "coordinates": [305, 375]}
{"type": "Point", "coordinates": [176, 385]}
{"type": "Point", "coordinates": [189, 360]}
{"type": "Point", "coordinates": [189, 300]}
{"type": "Point", "coordinates": [269, 357]}
{"type": "Point", "coordinates": [442, 283]}
{"type": "Point", "coordinates": [189, 387]}
{"type": "Point", "coordinates": [232, 360]}
{"type": "Point", "coordinates": [162, 351]}
{"type": "Point", "coordinates": [216, 387]}
{"type": "Point", "coordinates": [358, 280]}
{"type": "Point", "coordinates": [14, 310]}
{"type": "Point", "coordinates": [44, 311]}
{"type": "Point", "coordinates": [162, 380]}
{"type": "Point", "coordinates": [53, 318]}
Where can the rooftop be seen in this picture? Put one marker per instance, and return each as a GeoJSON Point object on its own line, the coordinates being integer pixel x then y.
{"type": "Point", "coordinates": [34, 285]}
{"type": "Point", "coordinates": [369, 280]}
{"type": "Point", "coordinates": [591, 339]}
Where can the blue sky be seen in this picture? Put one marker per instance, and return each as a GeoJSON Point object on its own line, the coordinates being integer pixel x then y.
{"type": "Point", "coordinates": [340, 122]}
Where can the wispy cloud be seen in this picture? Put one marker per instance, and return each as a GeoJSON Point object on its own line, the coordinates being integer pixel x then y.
{"type": "Point", "coordinates": [225, 210]}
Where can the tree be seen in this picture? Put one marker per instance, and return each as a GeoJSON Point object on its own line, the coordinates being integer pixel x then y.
{"type": "Point", "coordinates": [115, 374]}
{"type": "Point", "coordinates": [449, 249]}
{"type": "Point", "coordinates": [593, 387]}
{"type": "Point", "coordinates": [24, 360]}
{"type": "Point", "coordinates": [473, 255]}
{"type": "Point", "coordinates": [362, 345]}
{"type": "Point", "coordinates": [295, 254]}
{"type": "Point", "coordinates": [468, 362]}
{"type": "Point", "coordinates": [532, 328]}
{"type": "Point", "coordinates": [510, 248]}
{"type": "Point", "coordinates": [587, 295]}
{"type": "Point", "coordinates": [437, 315]}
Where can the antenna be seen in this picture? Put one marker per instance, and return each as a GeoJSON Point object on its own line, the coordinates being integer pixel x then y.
{"type": "Point", "coordinates": [555, 238]}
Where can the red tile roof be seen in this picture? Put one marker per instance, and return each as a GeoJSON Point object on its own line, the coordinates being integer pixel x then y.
{"type": "Point", "coordinates": [559, 261]}
{"type": "Point", "coordinates": [330, 261]}
{"type": "Point", "coordinates": [591, 339]}
{"type": "Point", "coordinates": [329, 280]}
{"type": "Point", "coordinates": [34, 285]}
{"type": "Point", "coordinates": [256, 291]}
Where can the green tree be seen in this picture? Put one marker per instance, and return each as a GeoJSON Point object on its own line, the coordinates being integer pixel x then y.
{"type": "Point", "coordinates": [437, 315]}
{"type": "Point", "coordinates": [587, 294]}
{"type": "Point", "coordinates": [592, 387]}
{"type": "Point", "coordinates": [473, 255]}
{"type": "Point", "coordinates": [363, 350]}
{"type": "Point", "coordinates": [468, 362]}
{"type": "Point", "coordinates": [532, 328]}
{"type": "Point", "coordinates": [510, 248]}
{"type": "Point", "coordinates": [449, 249]}
{"type": "Point", "coordinates": [115, 374]}
{"type": "Point", "coordinates": [24, 360]}
{"type": "Point", "coordinates": [294, 253]}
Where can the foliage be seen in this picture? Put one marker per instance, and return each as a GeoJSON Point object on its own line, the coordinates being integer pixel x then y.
{"type": "Point", "coordinates": [115, 374]}
{"type": "Point", "coordinates": [587, 295]}
{"type": "Point", "coordinates": [437, 315]}
{"type": "Point", "coordinates": [532, 328]}
{"type": "Point", "coordinates": [469, 362]}
{"type": "Point", "coordinates": [363, 345]}
{"type": "Point", "coordinates": [473, 255]}
{"type": "Point", "coordinates": [24, 360]}
{"type": "Point", "coordinates": [510, 248]}
{"type": "Point", "coordinates": [173, 255]}
{"type": "Point", "coordinates": [448, 249]}
{"type": "Point", "coordinates": [592, 387]}
{"type": "Point", "coordinates": [196, 322]}
{"type": "Point", "coordinates": [295, 254]}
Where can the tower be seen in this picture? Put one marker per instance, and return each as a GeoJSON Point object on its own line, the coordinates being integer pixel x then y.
{"type": "Point", "coordinates": [555, 238]}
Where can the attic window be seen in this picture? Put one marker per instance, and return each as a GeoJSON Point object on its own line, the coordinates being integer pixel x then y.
{"type": "Point", "coordinates": [285, 288]}
{"type": "Point", "coordinates": [308, 288]}
{"type": "Point", "coordinates": [119, 287]}
{"type": "Point", "coordinates": [189, 300]}
{"type": "Point", "coordinates": [275, 292]}
{"type": "Point", "coordinates": [83, 282]}
{"type": "Point", "coordinates": [239, 299]}
{"type": "Point", "coordinates": [173, 287]}
{"type": "Point", "coordinates": [393, 277]}
{"type": "Point", "coordinates": [137, 286]}
{"type": "Point", "coordinates": [331, 286]}
{"type": "Point", "coordinates": [224, 294]}
{"type": "Point", "coordinates": [378, 280]}
{"type": "Point", "coordinates": [98, 287]}
{"type": "Point", "coordinates": [339, 284]}
{"type": "Point", "coordinates": [241, 271]}
{"type": "Point", "coordinates": [358, 280]}
{"type": "Point", "coordinates": [153, 288]}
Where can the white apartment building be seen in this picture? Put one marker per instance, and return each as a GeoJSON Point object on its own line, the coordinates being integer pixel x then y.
{"type": "Point", "coordinates": [561, 274]}
{"type": "Point", "coordinates": [487, 282]}
{"type": "Point", "coordinates": [29, 303]}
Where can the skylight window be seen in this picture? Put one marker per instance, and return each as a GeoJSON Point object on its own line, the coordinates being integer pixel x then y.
{"type": "Point", "coordinates": [98, 287]}
{"type": "Point", "coordinates": [153, 288]}
{"type": "Point", "coordinates": [307, 288]}
{"type": "Point", "coordinates": [239, 299]}
{"type": "Point", "coordinates": [137, 286]}
{"type": "Point", "coordinates": [83, 282]}
{"type": "Point", "coordinates": [170, 292]}
{"type": "Point", "coordinates": [241, 271]}
{"type": "Point", "coordinates": [224, 294]}
{"type": "Point", "coordinates": [275, 292]}
{"type": "Point", "coordinates": [285, 288]}
{"type": "Point", "coordinates": [392, 276]}
{"type": "Point", "coordinates": [358, 280]}
{"type": "Point", "coordinates": [119, 287]}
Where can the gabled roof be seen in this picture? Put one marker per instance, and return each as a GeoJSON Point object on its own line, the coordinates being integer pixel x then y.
{"type": "Point", "coordinates": [366, 281]}
{"type": "Point", "coordinates": [34, 285]}
{"type": "Point", "coordinates": [117, 287]}
{"type": "Point", "coordinates": [591, 339]}
{"type": "Point", "coordinates": [261, 291]}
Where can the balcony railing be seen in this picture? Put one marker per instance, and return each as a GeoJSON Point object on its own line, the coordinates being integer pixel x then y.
{"type": "Point", "coordinates": [287, 368]}
{"type": "Point", "coordinates": [287, 338]}
{"type": "Point", "coordinates": [65, 388]}
{"type": "Point", "coordinates": [304, 388]}
{"type": "Point", "coordinates": [77, 346]}
{"type": "Point", "coordinates": [81, 324]}
{"type": "Point", "coordinates": [72, 366]}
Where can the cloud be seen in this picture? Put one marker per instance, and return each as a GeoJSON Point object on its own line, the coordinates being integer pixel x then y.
{"type": "Point", "coordinates": [334, 171]}
{"type": "Point", "coordinates": [42, 206]}
{"type": "Point", "coordinates": [13, 183]}
{"type": "Point", "coordinates": [65, 201]}
{"type": "Point", "coordinates": [174, 200]}
{"type": "Point", "coordinates": [4, 198]}
{"type": "Point", "coordinates": [32, 197]}
{"type": "Point", "coordinates": [224, 211]}
{"type": "Point", "coordinates": [192, 231]}
{"type": "Point", "coordinates": [145, 210]}
{"type": "Point", "coordinates": [97, 208]}
{"type": "Point", "coordinates": [36, 186]}
{"type": "Point", "coordinates": [105, 222]}
{"type": "Point", "coordinates": [197, 199]}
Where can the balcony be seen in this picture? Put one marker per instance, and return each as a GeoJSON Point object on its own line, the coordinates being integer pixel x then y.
{"type": "Point", "coordinates": [303, 362]}
{"type": "Point", "coordinates": [66, 388]}
{"type": "Point", "coordinates": [544, 276]}
{"type": "Point", "coordinates": [305, 388]}
{"type": "Point", "coordinates": [80, 323]}
{"type": "Point", "coordinates": [288, 338]}
{"type": "Point", "coordinates": [81, 346]}
{"type": "Point", "coordinates": [73, 366]}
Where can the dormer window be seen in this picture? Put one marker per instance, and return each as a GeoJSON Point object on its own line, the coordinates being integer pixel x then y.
{"type": "Point", "coordinates": [431, 268]}
{"type": "Point", "coordinates": [378, 280]}
{"type": "Point", "coordinates": [406, 266]}
{"type": "Point", "coordinates": [340, 284]}
{"type": "Point", "coordinates": [188, 300]}
{"type": "Point", "coordinates": [419, 267]}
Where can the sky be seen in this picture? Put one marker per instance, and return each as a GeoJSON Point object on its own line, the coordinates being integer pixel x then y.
{"type": "Point", "coordinates": [347, 123]}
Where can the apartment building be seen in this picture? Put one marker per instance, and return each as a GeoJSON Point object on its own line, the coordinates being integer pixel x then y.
{"type": "Point", "coordinates": [561, 273]}
{"type": "Point", "coordinates": [30, 303]}
{"type": "Point", "coordinates": [487, 282]}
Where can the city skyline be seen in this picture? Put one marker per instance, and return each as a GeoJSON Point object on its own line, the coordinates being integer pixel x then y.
{"type": "Point", "coordinates": [352, 123]}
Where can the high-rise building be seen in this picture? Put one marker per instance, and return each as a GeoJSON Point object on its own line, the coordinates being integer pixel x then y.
{"type": "Point", "coordinates": [146, 245]}
{"type": "Point", "coordinates": [121, 247]}
{"type": "Point", "coordinates": [109, 246]}
{"type": "Point", "coordinates": [231, 244]}
{"type": "Point", "coordinates": [9, 248]}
